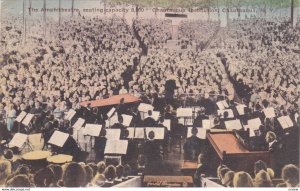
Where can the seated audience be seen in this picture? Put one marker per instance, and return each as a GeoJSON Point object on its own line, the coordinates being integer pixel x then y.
{"type": "Point", "coordinates": [263, 179]}
{"type": "Point", "coordinates": [74, 175]}
{"type": "Point", "coordinates": [44, 178]}
{"type": "Point", "coordinates": [228, 179]}
{"type": "Point", "coordinates": [119, 172]}
{"type": "Point", "coordinates": [110, 175]}
{"type": "Point", "coordinates": [99, 178]}
{"type": "Point", "coordinates": [242, 179]}
{"type": "Point", "coordinates": [57, 172]}
{"type": "Point", "coordinates": [290, 176]}
{"type": "Point", "coordinates": [19, 181]}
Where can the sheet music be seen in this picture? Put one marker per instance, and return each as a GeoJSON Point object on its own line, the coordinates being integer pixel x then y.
{"type": "Point", "coordinates": [21, 116]}
{"type": "Point", "coordinates": [127, 119]}
{"type": "Point", "coordinates": [106, 123]}
{"type": "Point", "coordinates": [241, 109]}
{"type": "Point", "coordinates": [35, 140]}
{"type": "Point", "coordinates": [145, 107]}
{"type": "Point", "coordinates": [207, 123]}
{"type": "Point", "coordinates": [79, 123]}
{"type": "Point", "coordinates": [186, 121]}
{"type": "Point", "coordinates": [131, 132]}
{"type": "Point", "coordinates": [113, 134]}
{"type": "Point", "coordinates": [230, 113]}
{"type": "Point", "coordinates": [71, 113]}
{"type": "Point", "coordinates": [58, 138]}
{"type": "Point", "coordinates": [233, 124]}
{"type": "Point", "coordinates": [139, 133]}
{"type": "Point", "coordinates": [184, 112]}
{"type": "Point", "coordinates": [111, 112]}
{"type": "Point", "coordinates": [116, 147]}
{"type": "Point", "coordinates": [254, 123]}
{"type": "Point", "coordinates": [155, 115]}
{"type": "Point", "coordinates": [201, 132]}
{"type": "Point", "coordinates": [269, 112]}
{"type": "Point", "coordinates": [158, 131]}
{"type": "Point", "coordinates": [27, 119]}
{"type": "Point", "coordinates": [113, 120]}
{"type": "Point", "coordinates": [285, 122]}
{"type": "Point", "coordinates": [18, 140]}
{"type": "Point", "coordinates": [252, 133]}
{"type": "Point", "coordinates": [92, 130]}
{"type": "Point", "coordinates": [222, 104]}
{"type": "Point", "coordinates": [167, 124]}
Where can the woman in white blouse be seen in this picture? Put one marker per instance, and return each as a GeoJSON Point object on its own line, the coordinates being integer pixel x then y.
{"type": "Point", "coordinates": [10, 116]}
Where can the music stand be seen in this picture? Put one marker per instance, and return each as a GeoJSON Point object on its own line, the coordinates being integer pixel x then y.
{"type": "Point", "coordinates": [127, 120]}
{"type": "Point", "coordinates": [111, 115]}
{"type": "Point", "coordinates": [222, 105]}
{"type": "Point", "coordinates": [269, 112]}
{"type": "Point", "coordinates": [167, 124]}
{"type": "Point", "coordinates": [113, 120]}
{"type": "Point", "coordinates": [285, 122]}
{"type": "Point", "coordinates": [78, 125]}
{"type": "Point", "coordinates": [207, 123]}
{"type": "Point", "coordinates": [131, 131]}
{"type": "Point", "coordinates": [58, 138]}
{"type": "Point", "coordinates": [70, 115]}
{"type": "Point", "coordinates": [201, 132]}
{"type": "Point", "coordinates": [158, 131]}
{"type": "Point", "coordinates": [92, 130]}
{"type": "Point", "coordinates": [233, 124]}
{"type": "Point", "coordinates": [116, 147]}
{"type": "Point", "coordinates": [184, 113]}
{"type": "Point", "coordinates": [144, 108]}
{"type": "Point", "coordinates": [155, 115]}
{"type": "Point", "coordinates": [113, 134]}
{"type": "Point", "coordinates": [27, 121]}
{"type": "Point", "coordinates": [20, 118]}
{"type": "Point", "coordinates": [21, 141]}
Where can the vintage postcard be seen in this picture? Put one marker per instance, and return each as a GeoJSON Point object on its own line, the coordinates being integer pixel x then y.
{"type": "Point", "coordinates": [149, 93]}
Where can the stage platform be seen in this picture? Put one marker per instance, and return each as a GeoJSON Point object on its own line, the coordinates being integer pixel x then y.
{"type": "Point", "coordinates": [113, 100]}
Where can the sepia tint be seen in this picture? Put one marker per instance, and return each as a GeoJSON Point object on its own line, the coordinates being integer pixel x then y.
{"type": "Point", "coordinates": [128, 93]}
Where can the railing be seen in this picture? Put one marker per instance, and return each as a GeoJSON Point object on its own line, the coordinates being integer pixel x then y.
{"type": "Point", "coordinates": [188, 99]}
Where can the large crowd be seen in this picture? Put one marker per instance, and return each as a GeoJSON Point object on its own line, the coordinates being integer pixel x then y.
{"type": "Point", "coordinates": [262, 176]}
{"type": "Point", "coordinates": [68, 175]}
{"type": "Point", "coordinates": [153, 33]}
{"type": "Point", "coordinates": [252, 62]}
{"type": "Point", "coordinates": [191, 70]}
{"type": "Point", "coordinates": [198, 31]}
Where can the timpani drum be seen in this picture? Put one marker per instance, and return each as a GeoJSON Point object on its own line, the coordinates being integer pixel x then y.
{"type": "Point", "coordinates": [36, 159]}
{"type": "Point", "coordinates": [60, 159]}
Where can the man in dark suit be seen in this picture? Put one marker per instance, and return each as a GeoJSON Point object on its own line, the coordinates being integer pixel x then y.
{"type": "Point", "coordinates": [199, 118]}
{"type": "Point", "coordinates": [121, 108]}
{"type": "Point", "coordinates": [276, 149]}
{"type": "Point", "coordinates": [152, 153]}
{"type": "Point", "coordinates": [192, 146]}
{"type": "Point", "coordinates": [100, 143]}
{"type": "Point", "coordinates": [170, 87]}
{"type": "Point", "coordinates": [202, 170]}
{"type": "Point", "coordinates": [149, 121]}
